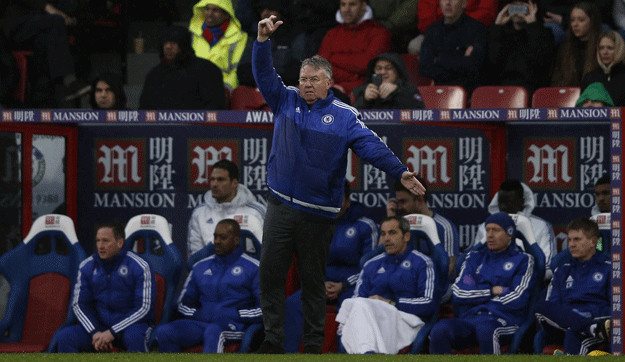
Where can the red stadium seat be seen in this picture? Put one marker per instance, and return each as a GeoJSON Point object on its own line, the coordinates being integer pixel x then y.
{"type": "Point", "coordinates": [412, 65]}
{"type": "Point", "coordinates": [444, 97]}
{"type": "Point", "coordinates": [246, 98]}
{"type": "Point", "coordinates": [40, 272]}
{"type": "Point", "coordinates": [555, 97]}
{"type": "Point", "coordinates": [22, 64]}
{"type": "Point", "coordinates": [500, 97]}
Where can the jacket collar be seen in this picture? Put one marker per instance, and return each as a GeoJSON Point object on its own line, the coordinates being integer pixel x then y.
{"type": "Point", "coordinates": [230, 258]}
{"type": "Point", "coordinates": [396, 259]}
{"type": "Point", "coordinates": [320, 103]}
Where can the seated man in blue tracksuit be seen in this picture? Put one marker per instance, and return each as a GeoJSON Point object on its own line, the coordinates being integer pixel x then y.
{"type": "Point", "coordinates": [492, 293]}
{"type": "Point", "coordinates": [219, 300]}
{"type": "Point", "coordinates": [113, 298]}
{"type": "Point", "coordinates": [355, 235]}
{"type": "Point", "coordinates": [403, 281]}
{"type": "Point", "coordinates": [576, 309]}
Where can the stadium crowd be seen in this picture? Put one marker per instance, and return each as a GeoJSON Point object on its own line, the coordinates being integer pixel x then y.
{"type": "Point", "coordinates": [409, 43]}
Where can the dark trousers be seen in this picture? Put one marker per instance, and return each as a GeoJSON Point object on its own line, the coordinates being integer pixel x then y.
{"type": "Point", "coordinates": [287, 231]}
{"type": "Point", "coordinates": [564, 325]}
{"type": "Point", "coordinates": [47, 35]}
{"type": "Point", "coordinates": [484, 330]}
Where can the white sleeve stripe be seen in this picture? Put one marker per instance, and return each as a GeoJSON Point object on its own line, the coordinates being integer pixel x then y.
{"type": "Point", "coordinates": [353, 279]}
{"type": "Point", "coordinates": [82, 317]}
{"type": "Point", "coordinates": [429, 284]}
{"type": "Point", "coordinates": [147, 295]}
{"type": "Point", "coordinates": [374, 230]}
{"type": "Point", "coordinates": [448, 239]}
{"type": "Point", "coordinates": [249, 258]}
{"type": "Point", "coordinates": [250, 313]}
{"type": "Point", "coordinates": [468, 293]}
{"type": "Point", "coordinates": [186, 310]}
{"type": "Point", "coordinates": [518, 291]}
{"type": "Point", "coordinates": [345, 106]}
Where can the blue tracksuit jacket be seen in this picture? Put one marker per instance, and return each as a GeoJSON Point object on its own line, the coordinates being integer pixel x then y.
{"type": "Point", "coordinates": [355, 235]}
{"type": "Point", "coordinates": [308, 157]}
{"type": "Point", "coordinates": [222, 289]}
{"type": "Point", "coordinates": [114, 294]}
{"type": "Point", "coordinates": [484, 269]}
{"type": "Point", "coordinates": [407, 279]}
{"type": "Point", "coordinates": [584, 286]}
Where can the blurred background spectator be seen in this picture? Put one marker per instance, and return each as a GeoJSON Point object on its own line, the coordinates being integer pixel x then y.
{"type": "Point", "coordinates": [182, 80]}
{"type": "Point", "coordinates": [611, 69]}
{"type": "Point", "coordinates": [387, 85]}
{"type": "Point", "coordinates": [520, 47]}
{"type": "Point", "coordinates": [577, 54]}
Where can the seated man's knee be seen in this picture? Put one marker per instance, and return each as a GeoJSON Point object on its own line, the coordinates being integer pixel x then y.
{"type": "Point", "coordinates": [441, 331]}
{"type": "Point", "coordinates": [164, 333]}
{"type": "Point", "coordinates": [135, 338]}
{"type": "Point", "coordinates": [212, 331]}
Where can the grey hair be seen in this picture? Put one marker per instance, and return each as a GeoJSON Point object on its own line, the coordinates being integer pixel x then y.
{"type": "Point", "coordinates": [318, 62]}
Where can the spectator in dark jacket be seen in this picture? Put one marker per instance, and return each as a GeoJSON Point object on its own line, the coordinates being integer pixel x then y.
{"type": "Point", "coordinates": [577, 55]}
{"type": "Point", "coordinates": [611, 70]}
{"type": "Point", "coordinates": [284, 57]}
{"type": "Point", "coordinates": [389, 88]}
{"type": "Point", "coordinates": [454, 49]}
{"type": "Point", "coordinates": [182, 80]}
{"type": "Point", "coordinates": [107, 92]}
{"type": "Point", "coordinates": [520, 48]}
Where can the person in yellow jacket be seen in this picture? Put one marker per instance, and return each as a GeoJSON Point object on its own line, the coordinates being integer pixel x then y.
{"type": "Point", "coordinates": [217, 36]}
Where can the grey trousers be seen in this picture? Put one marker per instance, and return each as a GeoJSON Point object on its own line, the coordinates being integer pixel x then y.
{"type": "Point", "coordinates": [288, 231]}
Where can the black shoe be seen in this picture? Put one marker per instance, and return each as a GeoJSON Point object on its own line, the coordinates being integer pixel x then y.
{"type": "Point", "coordinates": [602, 329]}
{"type": "Point", "coordinates": [312, 350]}
{"type": "Point", "coordinates": [75, 89]}
{"type": "Point", "coordinates": [269, 348]}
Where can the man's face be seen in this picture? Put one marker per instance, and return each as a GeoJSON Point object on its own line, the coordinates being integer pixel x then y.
{"type": "Point", "coordinates": [214, 15]}
{"type": "Point", "coordinates": [223, 188]}
{"type": "Point", "coordinates": [170, 51]}
{"type": "Point", "coordinates": [406, 203]}
{"type": "Point", "coordinates": [387, 70]}
{"type": "Point", "coordinates": [496, 238]}
{"type": "Point", "coordinates": [106, 243]}
{"type": "Point", "coordinates": [602, 197]}
{"type": "Point", "coordinates": [581, 246]}
{"type": "Point", "coordinates": [395, 242]}
{"type": "Point", "coordinates": [452, 9]}
{"type": "Point", "coordinates": [352, 11]}
{"type": "Point", "coordinates": [510, 201]}
{"type": "Point", "coordinates": [313, 84]}
{"type": "Point", "coordinates": [104, 95]}
{"type": "Point", "coordinates": [268, 12]}
{"type": "Point", "coordinates": [224, 240]}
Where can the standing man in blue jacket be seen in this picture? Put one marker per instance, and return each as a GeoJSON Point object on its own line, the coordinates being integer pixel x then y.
{"type": "Point", "coordinates": [492, 292]}
{"type": "Point", "coordinates": [577, 306]}
{"type": "Point", "coordinates": [305, 174]}
{"type": "Point", "coordinates": [113, 298]}
{"type": "Point", "coordinates": [219, 300]}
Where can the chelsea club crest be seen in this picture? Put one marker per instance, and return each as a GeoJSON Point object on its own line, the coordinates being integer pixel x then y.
{"type": "Point", "coordinates": [123, 270]}
{"type": "Point", "coordinates": [327, 119]}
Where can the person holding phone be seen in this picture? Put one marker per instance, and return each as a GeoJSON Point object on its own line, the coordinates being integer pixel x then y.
{"type": "Point", "coordinates": [520, 47]}
{"type": "Point", "coordinates": [387, 86]}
